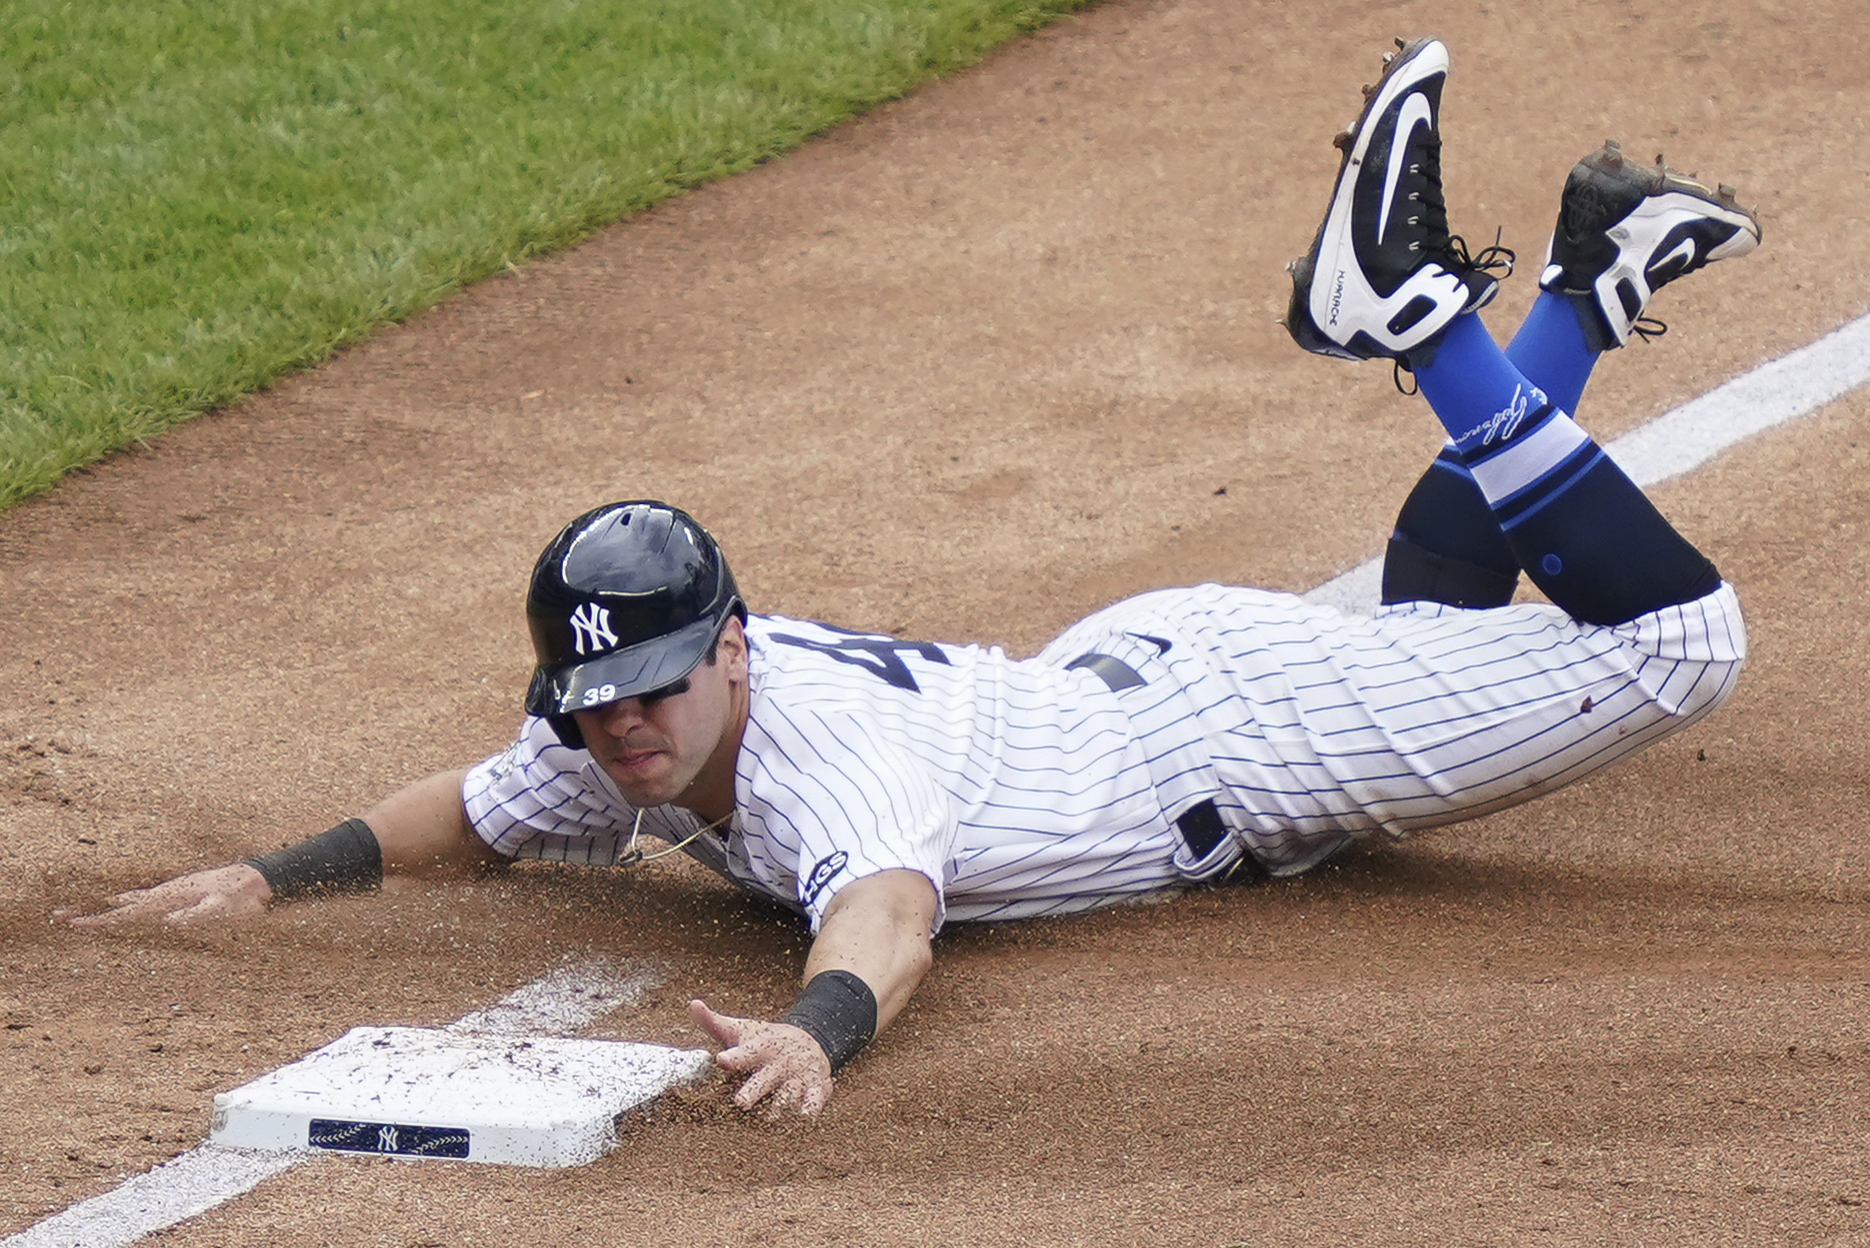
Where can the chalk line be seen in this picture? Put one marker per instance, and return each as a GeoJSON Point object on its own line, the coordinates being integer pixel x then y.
{"type": "Point", "coordinates": [563, 1000]}
{"type": "Point", "coordinates": [1794, 385]}
{"type": "Point", "coordinates": [1778, 391]}
{"type": "Point", "coordinates": [173, 1192]}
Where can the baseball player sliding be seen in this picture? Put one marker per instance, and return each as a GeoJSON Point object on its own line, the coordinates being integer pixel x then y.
{"type": "Point", "coordinates": [883, 787]}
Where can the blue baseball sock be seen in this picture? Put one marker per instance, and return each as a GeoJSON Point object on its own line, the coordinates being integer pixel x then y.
{"type": "Point", "coordinates": [1550, 349]}
{"type": "Point", "coordinates": [1482, 400]}
{"type": "Point", "coordinates": [1446, 546]}
{"type": "Point", "coordinates": [1581, 529]}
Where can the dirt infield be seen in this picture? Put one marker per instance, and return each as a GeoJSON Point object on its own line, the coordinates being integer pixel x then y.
{"type": "Point", "coordinates": [967, 368]}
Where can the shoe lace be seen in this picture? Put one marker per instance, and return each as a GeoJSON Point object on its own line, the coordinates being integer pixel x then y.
{"type": "Point", "coordinates": [1493, 258]}
{"type": "Point", "coordinates": [1648, 327]}
{"type": "Point", "coordinates": [1435, 238]}
{"type": "Point", "coordinates": [1438, 241]}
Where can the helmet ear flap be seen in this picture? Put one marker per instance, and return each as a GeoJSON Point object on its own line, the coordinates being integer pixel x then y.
{"type": "Point", "coordinates": [569, 734]}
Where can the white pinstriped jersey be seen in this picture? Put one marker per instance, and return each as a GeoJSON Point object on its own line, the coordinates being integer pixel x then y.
{"type": "Point", "coordinates": [1023, 788]}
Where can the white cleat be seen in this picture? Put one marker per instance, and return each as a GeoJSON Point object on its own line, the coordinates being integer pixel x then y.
{"type": "Point", "coordinates": [1384, 277]}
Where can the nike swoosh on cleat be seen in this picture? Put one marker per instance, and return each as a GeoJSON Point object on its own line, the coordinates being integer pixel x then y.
{"type": "Point", "coordinates": [1415, 112]}
{"type": "Point", "coordinates": [1684, 249]}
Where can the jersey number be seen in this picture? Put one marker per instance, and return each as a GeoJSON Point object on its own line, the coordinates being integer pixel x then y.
{"type": "Point", "coordinates": [880, 656]}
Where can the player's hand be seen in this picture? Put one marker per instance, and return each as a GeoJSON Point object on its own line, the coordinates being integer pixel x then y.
{"type": "Point", "coordinates": [783, 1064]}
{"type": "Point", "coordinates": [228, 892]}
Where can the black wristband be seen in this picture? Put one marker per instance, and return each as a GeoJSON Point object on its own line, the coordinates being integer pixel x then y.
{"type": "Point", "coordinates": [838, 1010]}
{"type": "Point", "coordinates": [344, 859]}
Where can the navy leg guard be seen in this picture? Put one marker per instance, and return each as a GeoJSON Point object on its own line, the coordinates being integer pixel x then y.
{"type": "Point", "coordinates": [1448, 546]}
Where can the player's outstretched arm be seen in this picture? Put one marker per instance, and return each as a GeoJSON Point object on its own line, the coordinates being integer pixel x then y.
{"type": "Point", "coordinates": [419, 830]}
{"type": "Point", "coordinates": [876, 930]}
{"type": "Point", "coordinates": [226, 892]}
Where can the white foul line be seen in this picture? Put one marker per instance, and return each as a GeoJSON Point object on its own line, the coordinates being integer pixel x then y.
{"type": "Point", "coordinates": [1772, 394]}
{"type": "Point", "coordinates": [1780, 390]}
{"type": "Point", "coordinates": [173, 1192]}
{"type": "Point", "coordinates": [564, 1000]}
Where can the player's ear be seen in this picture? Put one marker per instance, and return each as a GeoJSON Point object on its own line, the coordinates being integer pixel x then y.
{"type": "Point", "coordinates": [732, 647]}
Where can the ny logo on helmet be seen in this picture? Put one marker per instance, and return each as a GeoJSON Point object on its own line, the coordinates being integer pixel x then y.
{"type": "Point", "coordinates": [590, 626]}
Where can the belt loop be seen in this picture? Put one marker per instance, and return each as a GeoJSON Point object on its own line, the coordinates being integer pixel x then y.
{"type": "Point", "coordinates": [1113, 672]}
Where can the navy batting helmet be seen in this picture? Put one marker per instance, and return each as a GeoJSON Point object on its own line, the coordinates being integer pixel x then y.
{"type": "Point", "coordinates": [628, 598]}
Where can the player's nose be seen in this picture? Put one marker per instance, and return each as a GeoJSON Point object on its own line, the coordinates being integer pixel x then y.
{"type": "Point", "coordinates": [617, 718]}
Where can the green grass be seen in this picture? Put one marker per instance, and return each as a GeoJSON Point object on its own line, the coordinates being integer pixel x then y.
{"type": "Point", "coordinates": [199, 198]}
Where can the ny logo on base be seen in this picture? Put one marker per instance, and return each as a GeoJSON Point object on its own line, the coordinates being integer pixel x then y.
{"type": "Point", "coordinates": [397, 1138]}
{"type": "Point", "coordinates": [590, 626]}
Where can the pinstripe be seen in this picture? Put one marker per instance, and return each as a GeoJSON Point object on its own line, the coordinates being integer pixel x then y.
{"type": "Point", "coordinates": [1021, 788]}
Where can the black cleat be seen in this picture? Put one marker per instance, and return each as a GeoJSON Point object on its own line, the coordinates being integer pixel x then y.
{"type": "Point", "coordinates": [1625, 230]}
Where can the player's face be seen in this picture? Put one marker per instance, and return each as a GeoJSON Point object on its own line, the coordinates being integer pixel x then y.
{"type": "Point", "coordinates": [677, 744]}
